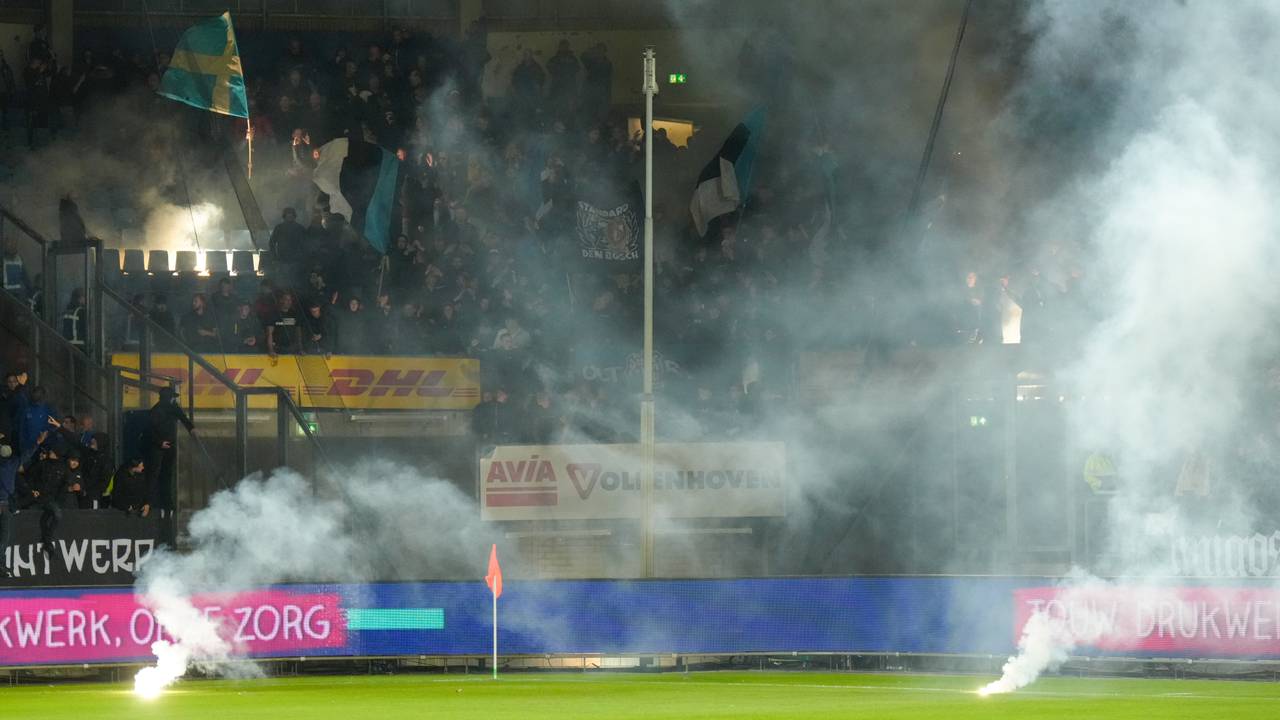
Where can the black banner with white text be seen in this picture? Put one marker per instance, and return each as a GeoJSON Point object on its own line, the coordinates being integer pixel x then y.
{"type": "Point", "coordinates": [91, 547]}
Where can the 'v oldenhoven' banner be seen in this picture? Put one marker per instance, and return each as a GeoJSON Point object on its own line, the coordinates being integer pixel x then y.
{"type": "Point", "coordinates": [595, 482]}
{"type": "Point", "coordinates": [341, 382]}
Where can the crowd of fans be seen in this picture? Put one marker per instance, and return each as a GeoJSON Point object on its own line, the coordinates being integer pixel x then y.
{"type": "Point", "coordinates": [485, 259]}
{"type": "Point", "coordinates": [48, 465]}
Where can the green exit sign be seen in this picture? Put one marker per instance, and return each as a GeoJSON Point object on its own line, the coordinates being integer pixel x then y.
{"type": "Point", "coordinates": [677, 79]}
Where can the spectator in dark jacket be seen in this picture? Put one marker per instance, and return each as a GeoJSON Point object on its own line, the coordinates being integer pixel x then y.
{"type": "Point", "coordinates": [246, 334]}
{"type": "Point", "coordinates": [318, 333]}
{"type": "Point", "coordinates": [200, 327]}
{"type": "Point", "coordinates": [162, 447]}
{"type": "Point", "coordinates": [352, 326]}
{"type": "Point", "coordinates": [129, 489]}
{"type": "Point", "coordinates": [288, 247]}
{"type": "Point", "coordinates": [43, 481]}
{"type": "Point", "coordinates": [95, 465]}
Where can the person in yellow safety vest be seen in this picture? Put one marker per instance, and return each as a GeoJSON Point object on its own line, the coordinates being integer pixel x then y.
{"type": "Point", "coordinates": [1100, 472]}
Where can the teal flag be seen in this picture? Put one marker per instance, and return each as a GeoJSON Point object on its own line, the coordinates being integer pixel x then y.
{"type": "Point", "coordinates": [205, 70]}
{"type": "Point", "coordinates": [745, 165]}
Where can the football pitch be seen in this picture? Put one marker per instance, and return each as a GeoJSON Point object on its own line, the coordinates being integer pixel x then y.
{"type": "Point", "coordinates": [671, 695]}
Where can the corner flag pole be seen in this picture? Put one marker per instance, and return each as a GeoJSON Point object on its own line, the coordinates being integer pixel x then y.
{"type": "Point", "coordinates": [494, 580]}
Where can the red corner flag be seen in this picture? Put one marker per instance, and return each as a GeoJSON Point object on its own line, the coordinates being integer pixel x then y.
{"type": "Point", "coordinates": [494, 578]}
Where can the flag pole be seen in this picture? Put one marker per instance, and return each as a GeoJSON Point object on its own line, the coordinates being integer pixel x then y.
{"type": "Point", "coordinates": [650, 89]}
{"type": "Point", "coordinates": [248, 133]}
{"type": "Point", "coordinates": [495, 635]}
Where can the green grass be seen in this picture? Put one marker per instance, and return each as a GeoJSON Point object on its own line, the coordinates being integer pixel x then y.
{"type": "Point", "coordinates": [608, 696]}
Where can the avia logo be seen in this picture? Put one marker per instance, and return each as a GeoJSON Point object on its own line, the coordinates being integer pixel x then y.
{"type": "Point", "coordinates": [399, 383]}
{"type": "Point", "coordinates": [521, 483]}
{"type": "Point", "coordinates": [586, 476]}
{"type": "Point", "coordinates": [533, 471]}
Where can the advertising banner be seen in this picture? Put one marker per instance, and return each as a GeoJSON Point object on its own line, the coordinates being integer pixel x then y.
{"type": "Point", "coordinates": [596, 482]}
{"type": "Point", "coordinates": [618, 366]}
{"type": "Point", "coordinates": [1159, 621]}
{"type": "Point", "coordinates": [346, 382]}
{"type": "Point", "coordinates": [93, 547]}
{"type": "Point", "coordinates": [1232, 556]}
{"type": "Point", "coordinates": [933, 615]}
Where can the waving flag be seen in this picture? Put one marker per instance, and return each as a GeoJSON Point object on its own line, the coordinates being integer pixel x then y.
{"type": "Point", "coordinates": [725, 182]}
{"type": "Point", "coordinates": [494, 578]}
{"type": "Point", "coordinates": [360, 180]}
{"type": "Point", "coordinates": [205, 70]}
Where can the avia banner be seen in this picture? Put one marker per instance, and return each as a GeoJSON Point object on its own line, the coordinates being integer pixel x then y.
{"type": "Point", "coordinates": [923, 615]}
{"type": "Point", "coordinates": [93, 547]}
{"type": "Point", "coordinates": [341, 382]}
{"type": "Point", "coordinates": [598, 482]}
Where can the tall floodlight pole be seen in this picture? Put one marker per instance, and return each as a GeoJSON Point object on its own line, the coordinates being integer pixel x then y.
{"type": "Point", "coordinates": [646, 401]}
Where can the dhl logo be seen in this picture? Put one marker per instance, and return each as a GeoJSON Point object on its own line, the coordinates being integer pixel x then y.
{"type": "Point", "coordinates": [344, 382]}
{"type": "Point", "coordinates": [341, 382]}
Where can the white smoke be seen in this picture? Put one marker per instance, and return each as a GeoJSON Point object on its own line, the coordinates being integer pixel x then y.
{"type": "Point", "coordinates": [174, 227]}
{"type": "Point", "coordinates": [1045, 644]}
{"type": "Point", "coordinates": [1048, 637]}
{"type": "Point", "coordinates": [1175, 204]}
{"type": "Point", "coordinates": [377, 521]}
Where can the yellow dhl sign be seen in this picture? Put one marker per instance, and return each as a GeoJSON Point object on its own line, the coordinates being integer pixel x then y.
{"type": "Point", "coordinates": [351, 382]}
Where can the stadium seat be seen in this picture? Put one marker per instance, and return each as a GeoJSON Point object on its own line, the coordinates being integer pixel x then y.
{"type": "Point", "coordinates": [242, 262]}
{"type": "Point", "coordinates": [110, 261]}
{"type": "Point", "coordinates": [158, 262]}
{"type": "Point", "coordinates": [186, 261]}
{"type": "Point", "coordinates": [134, 262]}
{"type": "Point", "coordinates": [215, 263]}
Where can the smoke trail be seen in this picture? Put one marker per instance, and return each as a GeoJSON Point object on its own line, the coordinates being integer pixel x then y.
{"type": "Point", "coordinates": [1049, 637]}
{"type": "Point", "coordinates": [373, 521]}
{"type": "Point", "coordinates": [1045, 644]}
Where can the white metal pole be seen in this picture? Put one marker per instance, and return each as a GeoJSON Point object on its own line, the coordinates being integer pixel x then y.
{"type": "Point", "coordinates": [495, 635]}
{"type": "Point", "coordinates": [646, 402]}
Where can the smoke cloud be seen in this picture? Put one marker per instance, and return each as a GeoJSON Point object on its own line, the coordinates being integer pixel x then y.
{"type": "Point", "coordinates": [1174, 202]}
{"type": "Point", "coordinates": [371, 521]}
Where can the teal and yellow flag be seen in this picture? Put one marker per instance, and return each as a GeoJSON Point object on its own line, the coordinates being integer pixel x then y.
{"type": "Point", "coordinates": [205, 70]}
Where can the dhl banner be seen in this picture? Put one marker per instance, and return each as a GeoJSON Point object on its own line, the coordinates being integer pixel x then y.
{"type": "Point", "coordinates": [596, 482]}
{"type": "Point", "coordinates": [348, 382]}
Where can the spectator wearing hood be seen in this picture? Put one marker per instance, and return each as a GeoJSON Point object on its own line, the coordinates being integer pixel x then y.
{"type": "Point", "coordinates": [43, 483]}
{"type": "Point", "coordinates": [93, 451]}
{"type": "Point", "coordinates": [162, 448]}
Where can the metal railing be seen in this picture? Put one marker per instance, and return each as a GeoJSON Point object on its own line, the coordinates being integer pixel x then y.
{"type": "Point", "coordinates": [82, 386]}
{"type": "Point", "coordinates": [87, 378]}
{"type": "Point", "coordinates": [286, 409]}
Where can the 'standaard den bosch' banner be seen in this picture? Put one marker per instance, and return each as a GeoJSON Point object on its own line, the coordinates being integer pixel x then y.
{"type": "Point", "coordinates": [691, 480]}
{"type": "Point", "coordinates": [349, 382]}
